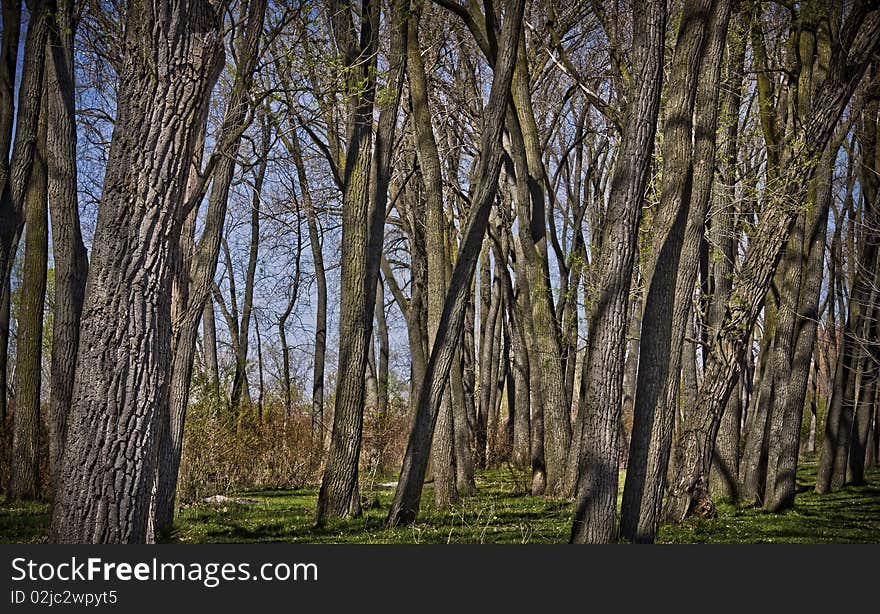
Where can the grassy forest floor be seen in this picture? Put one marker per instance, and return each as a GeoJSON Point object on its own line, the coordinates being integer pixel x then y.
{"type": "Point", "coordinates": [501, 512]}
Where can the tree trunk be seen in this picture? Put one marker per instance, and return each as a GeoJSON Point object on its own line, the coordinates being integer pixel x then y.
{"type": "Point", "coordinates": [365, 194]}
{"type": "Point", "coordinates": [209, 340]}
{"type": "Point", "coordinates": [442, 452]}
{"type": "Point", "coordinates": [497, 367]}
{"type": "Point", "coordinates": [783, 453]}
{"type": "Point", "coordinates": [689, 488]}
{"type": "Point", "coordinates": [485, 272]}
{"type": "Point", "coordinates": [689, 154]}
{"type": "Point", "coordinates": [488, 353]}
{"type": "Point", "coordinates": [753, 466]}
{"type": "Point", "coordinates": [520, 376]}
{"type": "Point", "coordinates": [866, 289]}
{"type": "Point", "coordinates": [196, 279]}
{"type": "Point", "coordinates": [547, 368]}
{"type": "Point", "coordinates": [241, 394]}
{"type": "Point", "coordinates": [15, 175]}
{"type": "Point", "coordinates": [24, 482]}
{"type": "Point", "coordinates": [514, 304]}
{"type": "Point", "coordinates": [68, 251]}
{"type": "Point", "coordinates": [407, 496]}
{"type": "Point", "coordinates": [596, 493]}
{"type": "Point", "coordinates": [122, 371]}
{"type": "Point", "coordinates": [724, 475]}
{"type": "Point", "coordinates": [315, 244]}
{"type": "Point", "coordinates": [802, 263]}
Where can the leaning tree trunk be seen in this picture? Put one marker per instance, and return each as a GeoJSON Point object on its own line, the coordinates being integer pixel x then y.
{"type": "Point", "coordinates": [667, 304]}
{"type": "Point", "coordinates": [405, 506]}
{"type": "Point", "coordinates": [172, 57]}
{"type": "Point", "coordinates": [24, 482]}
{"type": "Point", "coordinates": [596, 493]}
{"type": "Point", "coordinates": [689, 486]}
{"type": "Point", "coordinates": [15, 173]}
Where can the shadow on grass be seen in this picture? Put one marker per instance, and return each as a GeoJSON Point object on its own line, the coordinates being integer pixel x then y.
{"type": "Point", "coordinates": [500, 512]}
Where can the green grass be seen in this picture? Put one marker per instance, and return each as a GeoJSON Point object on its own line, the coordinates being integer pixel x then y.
{"type": "Point", "coordinates": [501, 512]}
{"type": "Point", "coordinates": [849, 515]}
{"type": "Point", "coordinates": [23, 522]}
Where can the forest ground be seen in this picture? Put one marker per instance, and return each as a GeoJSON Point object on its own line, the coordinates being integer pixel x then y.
{"type": "Point", "coordinates": [501, 512]}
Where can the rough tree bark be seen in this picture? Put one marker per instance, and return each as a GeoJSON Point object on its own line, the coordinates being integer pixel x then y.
{"type": "Point", "coordinates": [172, 55]}
{"type": "Point", "coordinates": [443, 465]}
{"type": "Point", "coordinates": [696, 61]}
{"type": "Point", "coordinates": [365, 194]}
{"type": "Point", "coordinates": [783, 449]}
{"type": "Point", "coordinates": [11, 13]}
{"type": "Point", "coordinates": [68, 250]}
{"type": "Point", "coordinates": [197, 266]}
{"type": "Point", "coordinates": [790, 372]}
{"type": "Point", "coordinates": [724, 475]}
{"type": "Point", "coordinates": [547, 368]}
{"type": "Point", "coordinates": [858, 39]}
{"type": "Point", "coordinates": [15, 171]}
{"type": "Point", "coordinates": [596, 492]}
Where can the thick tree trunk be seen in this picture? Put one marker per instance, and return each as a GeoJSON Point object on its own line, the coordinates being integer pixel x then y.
{"type": "Point", "coordinates": [24, 482]}
{"type": "Point", "coordinates": [793, 342]}
{"type": "Point", "coordinates": [658, 378]}
{"type": "Point", "coordinates": [122, 371]}
{"type": "Point", "coordinates": [443, 457]}
{"type": "Point", "coordinates": [783, 451]}
{"type": "Point", "coordinates": [11, 37]}
{"type": "Point", "coordinates": [596, 498]}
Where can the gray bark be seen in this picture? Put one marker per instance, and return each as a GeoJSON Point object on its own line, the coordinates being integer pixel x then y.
{"type": "Point", "coordinates": [597, 484]}
{"type": "Point", "coordinates": [405, 506]}
{"type": "Point", "coordinates": [68, 251]}
{"type": "Point", "coordinates": [172, 57]}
